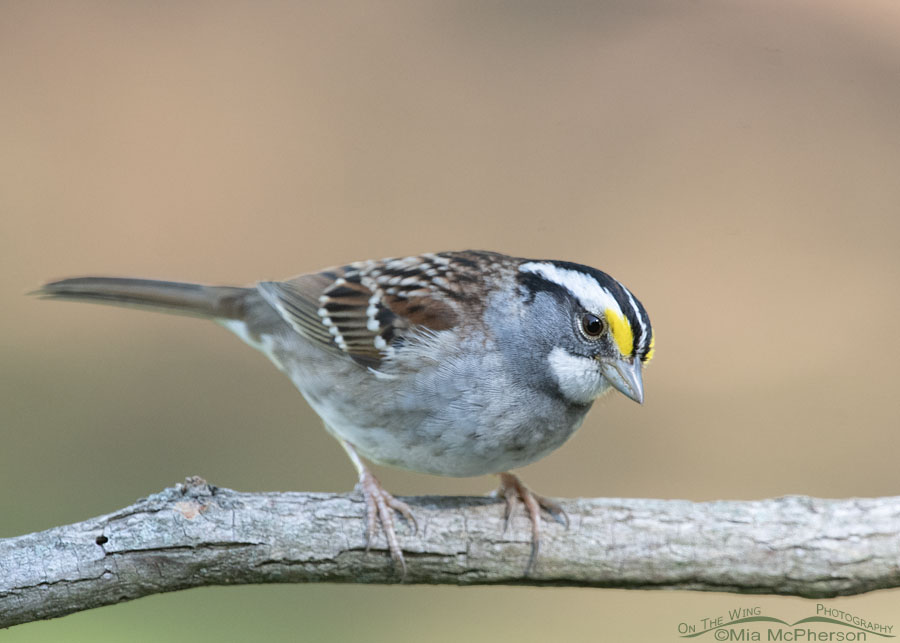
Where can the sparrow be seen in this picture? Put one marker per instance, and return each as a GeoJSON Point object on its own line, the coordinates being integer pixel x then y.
{"type": "Point", "coordinates": [458, 363]}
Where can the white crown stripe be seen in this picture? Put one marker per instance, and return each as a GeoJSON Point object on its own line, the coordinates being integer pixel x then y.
{"type": "Point", "coordinates": [591, 294]}
{"type": "Point", "coordinates": [640, 319]}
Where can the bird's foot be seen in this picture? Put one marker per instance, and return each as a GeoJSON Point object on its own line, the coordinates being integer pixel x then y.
{"type": "Point", "coordinates": [513, 490]}
{"type": "Point", "coordinates": [380, 507]}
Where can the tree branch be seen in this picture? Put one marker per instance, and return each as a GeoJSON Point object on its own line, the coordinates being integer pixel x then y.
{"type": "Point", "coordinates": [195, 534]}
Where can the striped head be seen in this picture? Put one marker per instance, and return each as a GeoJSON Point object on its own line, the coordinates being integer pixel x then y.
{"type": "Point", "coordinates": [606, 339]}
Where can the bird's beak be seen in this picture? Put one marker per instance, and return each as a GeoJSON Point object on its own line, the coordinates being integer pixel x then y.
{"type": "Point", "coordinates": [625, 377]}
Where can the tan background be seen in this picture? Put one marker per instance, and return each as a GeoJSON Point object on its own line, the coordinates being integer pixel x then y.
{"type": "Point", "coordinates": [735, 163]}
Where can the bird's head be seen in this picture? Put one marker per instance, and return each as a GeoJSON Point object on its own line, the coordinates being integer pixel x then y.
{"type": "Point", "coordinates": [597, 334]}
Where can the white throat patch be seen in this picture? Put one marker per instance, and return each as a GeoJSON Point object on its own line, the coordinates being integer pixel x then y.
{"type": "Point", "coordinates": [579, 378]}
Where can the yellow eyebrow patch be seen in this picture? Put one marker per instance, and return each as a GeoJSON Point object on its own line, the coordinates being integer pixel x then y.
{"type": "Point", "coordinates": [650, 350]}
{"type": "Point", "coordinates": [621, 331]}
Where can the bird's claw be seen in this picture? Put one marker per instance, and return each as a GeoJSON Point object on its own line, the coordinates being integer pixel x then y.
{"type": "Point", "coordinates": [513, 490]}
{"type": "Point", "coordinates": [380, 507]}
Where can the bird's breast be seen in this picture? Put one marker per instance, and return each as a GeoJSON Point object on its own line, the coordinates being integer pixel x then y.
{"type": "Point", "coordinates": [462, 415]}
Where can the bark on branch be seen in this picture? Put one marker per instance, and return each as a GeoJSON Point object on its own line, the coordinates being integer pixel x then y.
{"type": "Point", "coordinates": [195, 534]}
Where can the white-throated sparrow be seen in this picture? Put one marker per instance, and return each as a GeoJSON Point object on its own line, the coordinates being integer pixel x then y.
{"type": "Point", "coordinates": [454, 363]}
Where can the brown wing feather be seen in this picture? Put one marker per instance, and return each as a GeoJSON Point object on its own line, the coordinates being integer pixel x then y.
{"type": "Point", "coordinates": [433, 314]}
{"type": "Point", "coordinates": [364, 309]}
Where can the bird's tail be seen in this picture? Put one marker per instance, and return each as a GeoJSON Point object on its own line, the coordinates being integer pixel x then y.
{"type": "Point", "coordinates": [222, 302]}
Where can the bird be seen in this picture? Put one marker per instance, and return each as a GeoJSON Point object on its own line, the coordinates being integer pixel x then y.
{"type": "Point", "coordinates": [458, 363]}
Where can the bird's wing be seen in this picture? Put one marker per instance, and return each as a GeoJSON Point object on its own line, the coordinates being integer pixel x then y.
{"type": "Point", "coordinates": [367, 309]}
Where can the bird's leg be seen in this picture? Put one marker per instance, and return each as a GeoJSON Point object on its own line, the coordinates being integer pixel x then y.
{"type": "Point", "coordinates": [380, 507]}
{"type": "Point", "coordinates": [512, 490]}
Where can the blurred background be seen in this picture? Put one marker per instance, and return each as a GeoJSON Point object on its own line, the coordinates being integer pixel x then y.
{"type": "Point", "coordinates": [734, 163]}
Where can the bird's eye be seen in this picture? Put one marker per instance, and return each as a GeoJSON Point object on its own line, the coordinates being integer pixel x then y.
{"type": "Point", "coordinates": [592, 325]}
